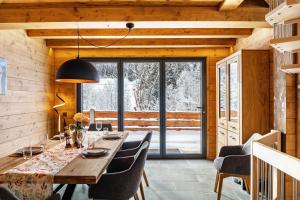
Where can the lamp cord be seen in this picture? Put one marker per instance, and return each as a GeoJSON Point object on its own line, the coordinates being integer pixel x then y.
{"type": "Point", "coordinates": [78, 42]}
{"type": "Point", "coordinates": [114, 42]}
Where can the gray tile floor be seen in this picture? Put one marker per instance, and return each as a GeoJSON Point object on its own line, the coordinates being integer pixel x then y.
{"type": "Point", "coordinates": [181, 180]}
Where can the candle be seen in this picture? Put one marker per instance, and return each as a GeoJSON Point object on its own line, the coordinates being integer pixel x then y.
{"type": "Point", "coordinates": [58, 123]}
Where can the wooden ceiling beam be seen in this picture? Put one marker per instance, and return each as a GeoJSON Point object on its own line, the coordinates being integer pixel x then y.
{"type": "Point", "coordinates": [140, 33]}
{"type": "Point", "coordinates": [230, 4]}
{"type": "Point", "coordinates": [131, 43]}
{"type": "Point", "coordinates": [82, 3]}
{"type": "Point", "coordinates": [67, 17]}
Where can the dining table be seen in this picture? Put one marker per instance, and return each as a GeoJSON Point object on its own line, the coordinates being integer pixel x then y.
{"type": "Point", "coordinates": [71, 168]}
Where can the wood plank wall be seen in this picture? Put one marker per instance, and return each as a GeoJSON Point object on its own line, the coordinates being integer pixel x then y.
{"type": "Point", "coordinates": [25, 111]}
{"type": "Point", "coordinates": [67, 91]}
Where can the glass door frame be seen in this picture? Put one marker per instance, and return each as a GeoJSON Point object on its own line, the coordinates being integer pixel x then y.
{"type": "Point", "coordinates": [162, 101]}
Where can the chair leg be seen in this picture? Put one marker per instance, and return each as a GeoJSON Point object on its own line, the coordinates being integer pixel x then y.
{"type": "Point", "coordinates": [142, 191]}
{"type": "Point", "coordinates": [136, 196]}
{"type": "Point", "coordinates": [145, 178]}
{"type": "Point", "coordinates": [247, 183]}
{"type": "Point", "coordinates": [216, 182]}
{"type": "Point", "coordinates": [221, 177]}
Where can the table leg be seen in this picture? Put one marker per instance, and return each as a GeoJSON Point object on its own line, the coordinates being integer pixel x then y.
{"type": "Point", "coordinates": [69, 192]}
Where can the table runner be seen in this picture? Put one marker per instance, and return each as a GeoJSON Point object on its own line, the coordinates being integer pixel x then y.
{"type": "Point", "coordinates": [34, 178]}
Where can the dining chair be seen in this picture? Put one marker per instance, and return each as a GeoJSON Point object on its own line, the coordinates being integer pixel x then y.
{"type": "Point", "coordinates": [92, 127]}
{"type": "Point", "coordinates": [5, 194]}
{"type": "Point", "coordinates": [131, 147]}
{"type": "Point", "coordinates": [234, 161]}
{"type": "Point", "coordinates": [123, 177]}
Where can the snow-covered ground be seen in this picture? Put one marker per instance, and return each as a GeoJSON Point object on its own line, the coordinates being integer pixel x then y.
{"type": "Point", "coordinates": [184, 141]}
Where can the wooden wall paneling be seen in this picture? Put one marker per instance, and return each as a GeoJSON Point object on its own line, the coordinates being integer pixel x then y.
{"type": "Point", "coordinates": [26, 109]}
{"type": "Point", "coordinates": [291, 115]}
{"type": "Point", "coordinates": [67, 91]}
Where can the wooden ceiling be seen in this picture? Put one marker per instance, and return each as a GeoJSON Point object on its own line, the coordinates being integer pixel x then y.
{"type": "Point", "coordinates": [158, 23]}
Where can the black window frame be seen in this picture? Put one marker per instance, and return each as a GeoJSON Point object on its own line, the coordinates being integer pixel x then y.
{"type": "Point", "coordinates": [163, 154]}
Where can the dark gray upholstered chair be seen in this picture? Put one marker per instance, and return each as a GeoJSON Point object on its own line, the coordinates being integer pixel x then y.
{"type": "Point", "coordinates": [123, 177]}
{"type": "Point", "coordinates": [92, 127]}
{"type": "Point", "coordinates": [5, 194]}
{"type": "Point", "coordinates": [130, 148]}
{"type": "Point", "coordinates": [234, 161]}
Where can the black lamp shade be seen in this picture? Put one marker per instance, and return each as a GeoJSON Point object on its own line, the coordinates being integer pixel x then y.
{"type": "Point", "coordinates": [77, 71]}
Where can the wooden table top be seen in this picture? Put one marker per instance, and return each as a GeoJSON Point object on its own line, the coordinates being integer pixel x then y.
{"type": "Point", "coordinates": [80, 170]}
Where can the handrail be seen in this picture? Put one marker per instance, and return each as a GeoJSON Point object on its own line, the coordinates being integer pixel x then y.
{"type": "Point", "coordinates": [143, 120]}
{"type": "Point", "coordinates": [288, 164]}
{"type": "Point", "coordinates": [268, 169]}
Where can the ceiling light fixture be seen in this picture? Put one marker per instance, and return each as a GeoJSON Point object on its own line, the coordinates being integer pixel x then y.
{"type": "Point", "coordinates": [81, 71]}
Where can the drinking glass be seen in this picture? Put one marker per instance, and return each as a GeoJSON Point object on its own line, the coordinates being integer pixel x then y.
{"type": "Point", "coordinates": [27, 152]}
{"type": "Point", "coordinates": [61, 137]}
{"type": "Point", "coordinates": [91, 142]}
{"type": "Point", "coordinates": [80, 139]}
{"type": "Point", "coordinates": [98, 126]}
{"type": "Point", "coordinates": [44, 142]}
{"type": "Point", "coordinates": [105, 131]}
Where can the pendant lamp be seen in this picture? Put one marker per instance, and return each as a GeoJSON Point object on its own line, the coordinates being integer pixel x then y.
{"type": "Point", "coordinates": [77, 70]}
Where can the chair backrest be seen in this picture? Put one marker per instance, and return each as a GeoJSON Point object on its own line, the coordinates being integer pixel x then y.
{"type": "Point", "coordinates": [124, 184]}
{"type": "Point", "coordinates": [92, 127]}
{"type": "Point", "coordinates": [135, 172]}
{"type": "Point", "coordinates": [147, 137]}
{"type": "Point", "coordinates": [247, 146]}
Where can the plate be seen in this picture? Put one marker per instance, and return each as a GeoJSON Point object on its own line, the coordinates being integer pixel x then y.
{"type": "Point", "coordinates": [112, 136]}
{"type": "Point", "coordinates": [35, 150]}
{"type": "Point", "coordinates": [57, 137]}
{"type": "Point", "coordinates": [95, 152]}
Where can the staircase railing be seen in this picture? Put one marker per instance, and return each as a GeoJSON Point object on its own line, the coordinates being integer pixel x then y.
{"type": "Point", "coordinates": [274, 174]}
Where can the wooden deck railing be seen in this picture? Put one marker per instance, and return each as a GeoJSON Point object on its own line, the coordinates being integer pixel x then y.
{"type": "Point", "coordinates": [272, 170]}
{"type": "Point", "coordinates": [141, 121]}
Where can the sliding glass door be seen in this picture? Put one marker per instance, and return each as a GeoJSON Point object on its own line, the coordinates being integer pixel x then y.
{"type": "Point", "coordinates": [164, 96]}
{"type": "Point", "coordinates": [183, 107]}
{"type": "Point", "coordinates": [141, 101]}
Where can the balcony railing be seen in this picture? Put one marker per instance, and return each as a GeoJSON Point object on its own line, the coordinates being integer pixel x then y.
{"type": "Point", "coordinates": [143, 121]}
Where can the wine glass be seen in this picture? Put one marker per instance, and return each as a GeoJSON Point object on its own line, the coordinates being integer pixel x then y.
{"type": "Point", "coordinates": [61, 137]}
{"type": "Point", "coordinates": [44, 142]}
{"type": "Point", "coordinates": [80, 139]}
{"type": "Point", "coordinates": [98, 126]}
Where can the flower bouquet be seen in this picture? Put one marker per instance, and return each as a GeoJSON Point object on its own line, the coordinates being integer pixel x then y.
{"type": "Point", "coordinates": [81, 121]}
